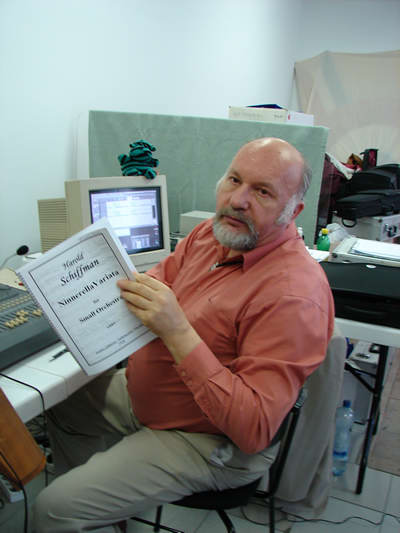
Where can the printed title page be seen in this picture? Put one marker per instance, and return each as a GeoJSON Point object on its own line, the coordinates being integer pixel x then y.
{"type": "Point", "coordinates": [75, 285]}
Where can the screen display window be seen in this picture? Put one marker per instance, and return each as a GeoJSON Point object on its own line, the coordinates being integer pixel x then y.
{"type": "Point", "coordinates": [134, 214]}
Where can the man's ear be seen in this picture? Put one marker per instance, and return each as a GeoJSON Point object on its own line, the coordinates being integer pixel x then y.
{"type": "Point", "coordinates": [298, 209]}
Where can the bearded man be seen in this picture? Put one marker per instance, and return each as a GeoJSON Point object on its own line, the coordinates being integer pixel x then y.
{"type": "Point", "coordinates": [243, 316]}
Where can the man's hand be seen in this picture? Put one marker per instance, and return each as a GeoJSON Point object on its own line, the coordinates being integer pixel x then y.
{"type": "Point", "coordinates": [156, 306]}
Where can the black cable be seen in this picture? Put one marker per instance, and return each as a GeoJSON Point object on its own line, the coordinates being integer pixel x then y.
{"type": "Point", "coordinates": [339, 522]}
{"type": "Point", "coordinates": [301, 519]}
{"type": "Point", "coordinates": [26, 385]}
{"type": "Point", "coordinates": [346, 225]}
{"type": "Point", "coordinates": [21, 486]}
{"type": "Point", "coordinates": [45, 414]}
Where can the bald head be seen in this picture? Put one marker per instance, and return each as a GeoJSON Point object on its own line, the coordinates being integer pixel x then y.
{"type": "Point", "coordinates": [260, 194]}
{"type": "Point", "coordinates": [288, 161]}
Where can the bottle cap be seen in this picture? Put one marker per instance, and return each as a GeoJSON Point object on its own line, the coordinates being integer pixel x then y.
{"type": "Point", "coordinates": [324, 231]}
{"type": "Point", "coordinates": [346, 403]}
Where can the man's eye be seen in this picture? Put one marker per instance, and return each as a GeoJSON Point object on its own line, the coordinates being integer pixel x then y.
{"type": "Point", "coordinates": [233, 179]}
{"type": "Point", "coordinates": [263, 192]}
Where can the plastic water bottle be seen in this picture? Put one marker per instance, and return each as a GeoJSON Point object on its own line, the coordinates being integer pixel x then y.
{"type": "Point", "coordinates": [323, 241]}
{"type": "Point", "coordinates": [341, 446]}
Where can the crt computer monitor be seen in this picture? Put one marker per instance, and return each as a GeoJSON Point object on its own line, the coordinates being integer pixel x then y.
{"type": "Point", "coordinates": [136, 207]}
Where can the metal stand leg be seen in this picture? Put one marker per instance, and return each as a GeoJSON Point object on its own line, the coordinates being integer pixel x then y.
{"type": "Point", "coordinates": [373, 415]}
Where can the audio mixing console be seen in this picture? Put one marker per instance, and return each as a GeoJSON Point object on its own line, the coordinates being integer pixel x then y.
{"type": "Point", "coordinates": [23, 328]}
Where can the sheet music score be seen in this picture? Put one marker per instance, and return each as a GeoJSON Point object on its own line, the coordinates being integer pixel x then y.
{"type": "Point", "coordinates": [74, 283]}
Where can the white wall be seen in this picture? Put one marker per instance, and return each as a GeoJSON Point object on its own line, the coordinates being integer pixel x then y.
{"type": "Point", "coordinates": [59, 59]}
{"type": "Point", "coordinates": [357, 26]}
{"type": "Point", "coordinates": [353, 26]}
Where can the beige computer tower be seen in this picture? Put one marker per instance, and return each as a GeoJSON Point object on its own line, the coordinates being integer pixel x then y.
{"type": "Point", "coordinates": [53, 222]}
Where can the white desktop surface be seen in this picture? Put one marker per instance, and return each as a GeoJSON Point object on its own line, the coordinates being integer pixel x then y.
{"type": "Point", "coordinates": [369, 332]}
{"type": "Point", "coordinates": [59, 378]}
{"type": "Point", "coordinates": [56, 379]}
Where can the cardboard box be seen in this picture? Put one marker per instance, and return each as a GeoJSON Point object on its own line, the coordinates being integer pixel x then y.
{"type": "Point", "coordinates": [304, 119]}
{"type": "Point", "coordinates": [262, 114]}
{"type": "Point", "coordinates": [270, 113]}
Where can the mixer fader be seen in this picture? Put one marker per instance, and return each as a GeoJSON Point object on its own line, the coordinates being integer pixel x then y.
{"type": "Point", "coordinates": [23, 328]}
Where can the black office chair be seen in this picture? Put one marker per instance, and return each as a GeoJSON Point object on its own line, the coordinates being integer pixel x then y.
{"type": "Point", "coordinates": [223, 500]}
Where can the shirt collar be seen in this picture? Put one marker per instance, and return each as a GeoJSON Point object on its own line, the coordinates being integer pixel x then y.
{"type": "Point", "coordinates": [252, 256]}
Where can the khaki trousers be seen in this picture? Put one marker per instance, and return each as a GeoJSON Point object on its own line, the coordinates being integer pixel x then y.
{"type": "Point", "coordinates": [110, 467]}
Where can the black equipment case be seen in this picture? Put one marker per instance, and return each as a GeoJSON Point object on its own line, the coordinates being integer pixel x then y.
{"type": "Point", "coordinates": [365, 292]}
{"type": "Point", "coordinates": [369, 204]}
{"type": "Point", "coordinates": [370, 193]}
{"type": "Point", "coordinates": [393, 168]}
{"type": "Point", "coordinates": [374, 178]}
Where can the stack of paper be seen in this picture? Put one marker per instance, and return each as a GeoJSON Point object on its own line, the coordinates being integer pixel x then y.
{"type": "Point", "coordinates": [381, 250]}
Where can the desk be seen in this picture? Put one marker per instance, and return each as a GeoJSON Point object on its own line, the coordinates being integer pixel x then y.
{"type": "Point", "coordinates": [369, 332]}
{"type": "Point", "coordinates": [56, 380]}
{"type": "Point", "coordinates": [59, 378]}
{"type": "Point", "coordinates": [369, 292]}
{"type": "Point", "coordinates": [384, 337]}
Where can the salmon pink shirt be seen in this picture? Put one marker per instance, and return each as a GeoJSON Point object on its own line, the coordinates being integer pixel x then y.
{"type": "Point", "coordinates": [265, 319]}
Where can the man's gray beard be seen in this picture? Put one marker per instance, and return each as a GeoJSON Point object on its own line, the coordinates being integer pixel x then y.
{"type": "Point", "coordinates": [229, 238]}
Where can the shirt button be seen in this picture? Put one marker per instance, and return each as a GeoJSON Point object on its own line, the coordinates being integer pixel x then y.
{"type": "Point", "coordinates": [183, 373]}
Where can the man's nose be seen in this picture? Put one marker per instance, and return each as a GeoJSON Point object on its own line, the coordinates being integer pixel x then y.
{"type": "Point", "coordinates": [240, 198]}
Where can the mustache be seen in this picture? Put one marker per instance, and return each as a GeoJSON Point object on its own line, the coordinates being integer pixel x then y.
{"type": "Point", "coordinates": [235, 213]}
{"type": "Point", "coordinates": [243, 240]}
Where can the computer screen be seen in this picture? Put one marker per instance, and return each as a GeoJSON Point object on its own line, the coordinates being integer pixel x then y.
{"type": "Point", "coordinates": [136, 208]}
{"type": "Point", "coordinates": [134, 214]}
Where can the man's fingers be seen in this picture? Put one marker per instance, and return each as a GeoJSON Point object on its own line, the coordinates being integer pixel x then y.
{"type": "Point", "coordinates": [142, 280]}
{"type": "Point", "coordinates": [136, 287]}
{"type": "Point", "coordinates": [137, 295]}
{"type": "Point", "coordinates": [153, 283]}
{"type": "Point", "coordinates": [135, 303]}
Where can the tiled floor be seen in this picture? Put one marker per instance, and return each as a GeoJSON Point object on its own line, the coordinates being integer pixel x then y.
{"type": "Point", "coordinates": [373, 511]}
{"type": "Point", "coordinates": [385, 450]}
{"type": "Point", "coordinates": [365, 512]}
{"type": "Point", "coordinates": [381, 494]}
